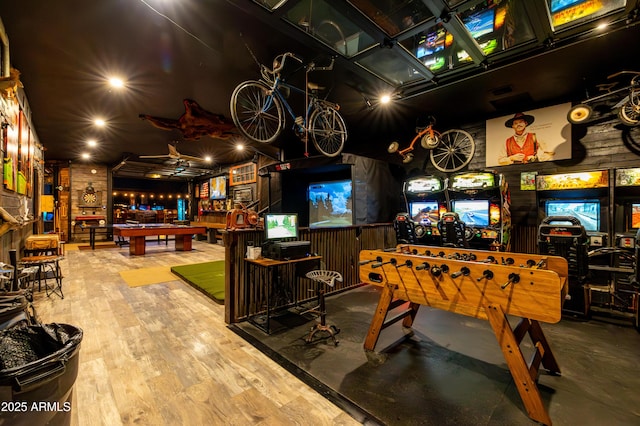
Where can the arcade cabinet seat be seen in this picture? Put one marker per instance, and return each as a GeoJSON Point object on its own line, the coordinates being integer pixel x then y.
{"type": "Point", "coordinates": [405, 229]}
{"type": "Point", "coordinates": [452, 230]}
{"type": "Point", "coordinates": [565, 236]}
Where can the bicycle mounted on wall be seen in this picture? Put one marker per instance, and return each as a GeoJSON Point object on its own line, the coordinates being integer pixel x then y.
{"type": "Point", "coordinates": [450, 151]}
{"type": "Point", "coordinates": [258, 109]}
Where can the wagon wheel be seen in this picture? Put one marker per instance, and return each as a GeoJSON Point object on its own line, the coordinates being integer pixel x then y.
{"type": "Point", "coordinates": [629, 114]}
{"type": "Point", "coordinates": [455, 151]}
{"type": "Point", "coordinates": [579, 114]}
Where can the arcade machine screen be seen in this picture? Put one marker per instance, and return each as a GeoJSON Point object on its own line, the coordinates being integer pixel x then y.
{"type": "Point", "coordinates": [330, 204]}
{"type": "Point", "coordinates": [430, 47]}
{"type": "Point", "coordinates": [586, 211]}
{"type": "Point", "coordinates": [635, 216]}
{"type": "Point", "coordinates": [472, 212]}
{"type": "Point", "coordinates": [424, 212]}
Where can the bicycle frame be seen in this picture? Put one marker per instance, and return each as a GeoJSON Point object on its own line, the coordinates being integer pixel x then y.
{"type": "Point", "coordinates": [275, 91]}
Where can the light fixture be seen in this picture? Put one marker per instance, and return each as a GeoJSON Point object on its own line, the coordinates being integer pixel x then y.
{"type": "Point", "coordinates": [99, 122]}
{"type": "Point", "coordinates": [116, 82]}
{"type": "Point", "coordinates": [86, 155]}
{"type": "Point", "coordinates": [240, 147]}
{"type": "Point", "coordinates": [385, 99]}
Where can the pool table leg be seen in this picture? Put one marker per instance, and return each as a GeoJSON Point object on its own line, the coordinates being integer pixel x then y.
{"type": "Point", "coordinates": [183, 242]}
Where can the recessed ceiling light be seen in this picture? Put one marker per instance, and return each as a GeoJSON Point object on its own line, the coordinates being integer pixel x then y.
{"type": "Point", "coordinates": [116, 82]}
{"type": "Point", "coordinates": [385, 99]}
{"type": "Point", "coordinates": [239, 147]}
{"type": "Point", "coordinates": [86, 155]}
{"type": "Point", "coordinates": [92, 142]}
{"type": "Point", "coordinates": [99, 122]}
{"type": "Point", "coordinates": [208, 159]}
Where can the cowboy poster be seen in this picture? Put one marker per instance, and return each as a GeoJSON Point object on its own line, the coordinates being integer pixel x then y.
{"type": "Point", "coordinates": [529, 136]}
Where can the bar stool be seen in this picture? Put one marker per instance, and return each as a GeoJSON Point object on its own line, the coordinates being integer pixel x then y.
{"type": "Point", "coordinates": [323, 277]}
{"type": "Point", "coordinates": [47, 266]}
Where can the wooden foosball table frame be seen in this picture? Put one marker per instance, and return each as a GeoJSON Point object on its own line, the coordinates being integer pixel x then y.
{"type": "Point", "coordinates": [482, 284]}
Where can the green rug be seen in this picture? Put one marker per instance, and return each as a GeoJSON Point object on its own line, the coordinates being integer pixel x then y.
{"type": "Point", "coordinates": [207, 277]}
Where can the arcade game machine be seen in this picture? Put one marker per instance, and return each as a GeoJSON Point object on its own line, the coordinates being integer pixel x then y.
{"type": "Point", "coordinates": [482, 201]}
{"type": "Point", "coordinates": [583, 195]}
{"type": "Point", "coordinates": [612, 286]}
{"type": "Point", "coordinates": [426, 200]}
{"type": "Point", "coordinates": [574, 210]}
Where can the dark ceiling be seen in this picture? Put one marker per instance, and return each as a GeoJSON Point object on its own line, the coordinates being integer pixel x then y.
{"type": "Point", "coordinates": [170, 51]}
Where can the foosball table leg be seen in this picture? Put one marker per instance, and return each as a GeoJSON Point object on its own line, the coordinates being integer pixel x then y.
{"type": "Point", "coordinates": [523, 376]}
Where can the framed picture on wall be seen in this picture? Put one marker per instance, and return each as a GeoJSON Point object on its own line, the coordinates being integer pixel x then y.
{"type": "Point", "coordinates": [529, 136]}
{"type": "Point", "coordinates": [10, 142]}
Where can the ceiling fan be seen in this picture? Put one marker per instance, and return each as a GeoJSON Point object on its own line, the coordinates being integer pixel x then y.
{"type": "Point", "coordinates": [175, 155]}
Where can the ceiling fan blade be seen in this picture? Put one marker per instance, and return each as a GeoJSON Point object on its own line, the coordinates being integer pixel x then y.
{"type": "Point", "coordinates": [155, 156]}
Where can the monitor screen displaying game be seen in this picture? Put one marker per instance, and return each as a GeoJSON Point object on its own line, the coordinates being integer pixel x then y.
{"type": "Point", "coordinates": [330, 204]}
{"type": "Point", "coordinates": [430, 43]}
{"type": "Point", "coordinates": [586, 211]}
{"type": "Point", "coordinates": [472, 212]}
{"type": "Point", "coordinates": [424, 212]}
{"type": "Point", "coordinates": [278, 226]}
{"type": "Point", "coordinates": [635, 215]}
{"type": "Point", "coordinates": [480, 23]}
{"type": "Point", "coordinates": [557, 5]}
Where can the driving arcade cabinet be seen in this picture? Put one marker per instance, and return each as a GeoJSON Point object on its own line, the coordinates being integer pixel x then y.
{"type": "Point", "coordinates": [482, 201]}
{"type": "Point", "coordinates": [425, 200]}
{"type": "Point", "coordinates": [564, 236]}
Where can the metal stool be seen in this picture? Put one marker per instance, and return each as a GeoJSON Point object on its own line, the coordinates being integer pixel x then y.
{"type": "Point", "coordinates": [48, 266]}
{"type": "Point", "coordinates": [329, 278]}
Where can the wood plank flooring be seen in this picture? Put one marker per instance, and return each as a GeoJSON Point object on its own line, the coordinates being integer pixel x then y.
{"type": "Point", "coordinates": [161, 354]}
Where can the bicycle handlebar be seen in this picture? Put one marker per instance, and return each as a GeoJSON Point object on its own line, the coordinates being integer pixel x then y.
{"type": "Point", "coordinates": [279, 61]}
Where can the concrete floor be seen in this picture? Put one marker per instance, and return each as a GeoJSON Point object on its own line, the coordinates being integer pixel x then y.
{"type": "Point", "coordinates": [452, 371]}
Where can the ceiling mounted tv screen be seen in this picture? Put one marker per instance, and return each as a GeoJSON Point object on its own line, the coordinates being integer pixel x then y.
{"type": "Point", "coordinates": [330, 204]}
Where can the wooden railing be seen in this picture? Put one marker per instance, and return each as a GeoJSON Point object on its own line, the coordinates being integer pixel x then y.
{"type": "Point", "coordinates": [338, 247]}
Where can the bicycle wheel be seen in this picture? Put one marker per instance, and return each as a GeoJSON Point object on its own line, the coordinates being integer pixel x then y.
{"type": "Point", "coordinates": [328, 131]}
{"type": "Point", "coordinates": [455, 151]}
{"type": "Point", "coordinates": [629, 114]}
{"type": "Point", "coordinates": [256, 113]}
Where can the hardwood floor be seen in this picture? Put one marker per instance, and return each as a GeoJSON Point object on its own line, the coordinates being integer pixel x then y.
{"type": "Point", "coordinates": [161, 354]}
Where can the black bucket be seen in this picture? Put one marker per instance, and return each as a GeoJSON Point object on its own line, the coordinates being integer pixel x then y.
{"type": "Point", "coordinates": [38, 368]}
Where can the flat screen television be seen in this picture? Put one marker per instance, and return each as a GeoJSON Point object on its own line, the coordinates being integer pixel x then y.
{"type": "Point", "coordinates": [587, 211]}
{"type": "Point", "coordinates": [480, 23]}
{"type": "Point", "coordinates": [218, 188]}
{"type": "Point", "coordinates": [424, 212]}
{"type": "Point", "coordinates": [279, 226]}
{"type": "Point", "coordinates": [330, 204]}
{"type": "Point", "coordinates": [635, 215]}
{"type": "Point", "coordinates": [472, 212]}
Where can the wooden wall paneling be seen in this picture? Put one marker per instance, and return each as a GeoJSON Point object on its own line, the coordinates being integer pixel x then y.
{"type": "Point", "coordinates": [339, 248]}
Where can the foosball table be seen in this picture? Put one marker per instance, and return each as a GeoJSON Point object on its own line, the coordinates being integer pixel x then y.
{"type": "Point", "coordinates": [487, 285]}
